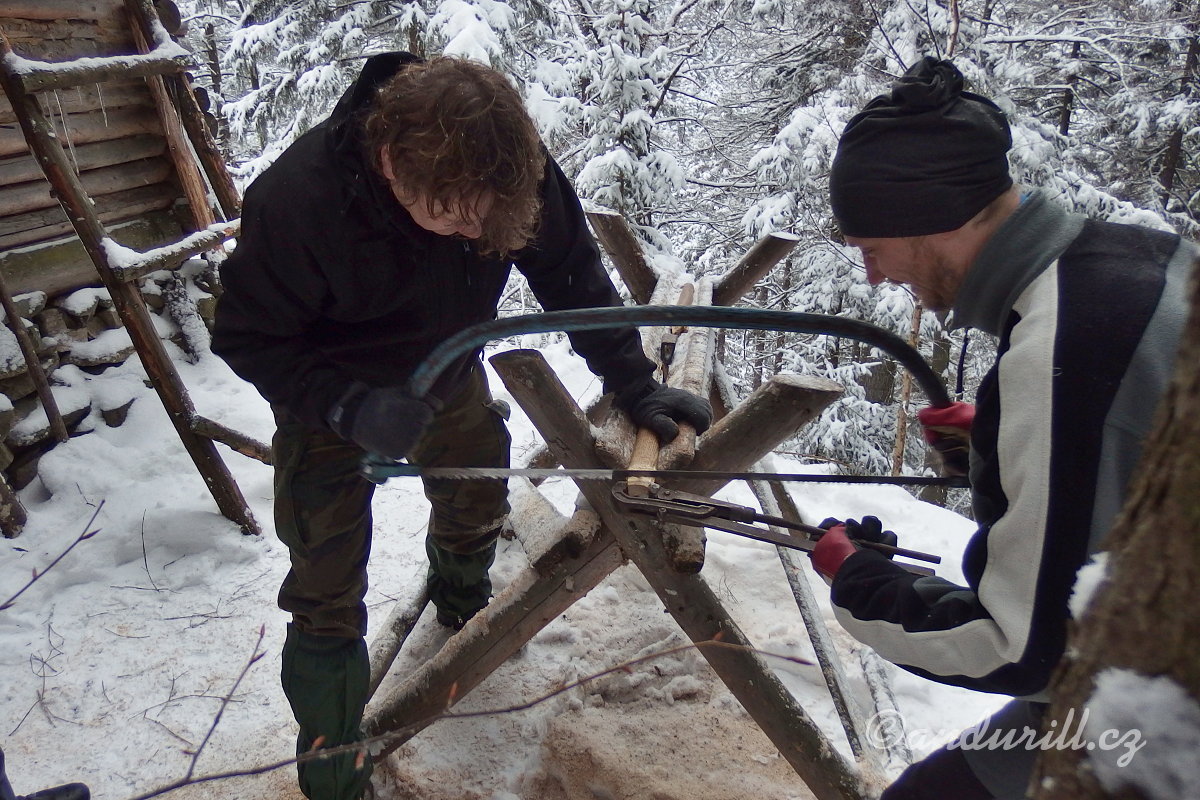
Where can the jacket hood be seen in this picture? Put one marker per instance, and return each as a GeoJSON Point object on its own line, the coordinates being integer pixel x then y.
{"type": "Point", "coordinates": [343, 122]}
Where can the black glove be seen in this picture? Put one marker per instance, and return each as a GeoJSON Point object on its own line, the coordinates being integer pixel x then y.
{"type": "Point", "coordinates": [385, 421]}
{"type": "Point", "coordinates": [657, 407]}
{"type": "Point", "coordinates": [869, 530]}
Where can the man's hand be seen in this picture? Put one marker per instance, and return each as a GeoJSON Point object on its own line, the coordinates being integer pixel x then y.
{"type": "Point", "coordinates": [836, 546]}
{"type": "Point", "coordinates": [657, 407]}
{"type": "Point", "coordinates": [948, 430]}
{"type": "Point", "coordinates": [385, 421]}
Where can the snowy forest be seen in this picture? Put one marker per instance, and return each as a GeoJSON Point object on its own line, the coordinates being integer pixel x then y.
{"type": "Point", "coordinates": [710, 123]}
{"type": "Point", "coordinates": [144, 660]}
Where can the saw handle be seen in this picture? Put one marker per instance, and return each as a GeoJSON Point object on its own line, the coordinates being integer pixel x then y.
{"type": "Point", "coordinates": [645, 457]}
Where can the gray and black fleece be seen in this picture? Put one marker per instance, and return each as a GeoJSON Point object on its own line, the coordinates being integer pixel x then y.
{"type": "Point", "coordinates": [1089, 316]}
{"type": "Point", "coordinates": [332, 282]}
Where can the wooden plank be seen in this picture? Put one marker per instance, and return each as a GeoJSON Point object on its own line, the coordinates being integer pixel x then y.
{"type": "Point", "coordinates": [102, 98]}
{"type": "Point", "coordinates": [59, 9]}
{"type": "Point", "coordinates": [34, 195]}
{"type": "Point", "coordinates": [626, 253]}
{"type": "Point", "coordinates": [687, 597]}
{"type": "Point", "coordinates": [90, 127]}
{"type": "Point", "coordinates": [52, 224]}
{"type": "Point", "coordinates": [19, 169]}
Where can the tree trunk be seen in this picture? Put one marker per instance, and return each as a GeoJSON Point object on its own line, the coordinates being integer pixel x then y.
{"type": "Point", "coordinates": [1174, 151]}
{"type": "Point", "coordinates": [1143, 615]}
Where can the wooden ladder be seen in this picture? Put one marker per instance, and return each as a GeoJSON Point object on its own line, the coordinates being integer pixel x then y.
{"type": "Point", "coordinates": [161, 62]}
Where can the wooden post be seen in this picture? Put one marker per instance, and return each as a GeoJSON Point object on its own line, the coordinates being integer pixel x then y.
{"type": "Point", "coordinates": [686, 596]}
{"type": "Point", "coordinates": [529, 603]}
{"type": "Point", "coordinates": [192, 119]}
{"type": "Point", "coordinates": [775, 411]}
{"type": "Point", "coordinates": [613, 232]}
{"type": "Point", "coordinates": [754, 265]}
{"type": "Point", "coordinates": [177, 143]}
{"type": "Point", "coordinates": [32, 364]}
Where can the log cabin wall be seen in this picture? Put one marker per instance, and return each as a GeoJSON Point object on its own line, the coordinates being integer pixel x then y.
{"type": "Point", "coordinates": [114, 136]}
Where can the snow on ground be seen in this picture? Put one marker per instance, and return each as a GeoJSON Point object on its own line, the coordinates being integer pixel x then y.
{"type": "Point", "coordinates": [116, 660]}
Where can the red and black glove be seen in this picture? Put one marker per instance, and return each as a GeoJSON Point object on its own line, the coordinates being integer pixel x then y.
{"type": "Point", "coordinates": [836, 546]}
{"type": "Point", "coordinates": [948, 430]}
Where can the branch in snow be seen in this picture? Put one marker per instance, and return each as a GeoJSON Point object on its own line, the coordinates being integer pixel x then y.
{"type": "Point", "coordinates": [88, 532]}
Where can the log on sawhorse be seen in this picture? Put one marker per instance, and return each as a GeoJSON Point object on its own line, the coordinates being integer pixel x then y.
{"type": "Point", "coordinates": [545, 591]}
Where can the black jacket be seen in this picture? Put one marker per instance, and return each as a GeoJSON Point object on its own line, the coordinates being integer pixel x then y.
{"type": "Point", "coordinates": [332, 281]}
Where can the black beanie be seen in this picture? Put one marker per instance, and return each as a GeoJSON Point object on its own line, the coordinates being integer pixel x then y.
{"type": "Point", "coordinates": [924, 159]}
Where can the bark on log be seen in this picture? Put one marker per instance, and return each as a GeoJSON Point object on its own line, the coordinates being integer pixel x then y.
{"type": "Point", "coordinates": [622, 246]}
{"type": "Point", "coordinates": [687, 597]}
{"type": "Point", "coordinates": [768, 252]}
{"type": "Point", "coordinates": [235, 440]}
{"type": "Point", "coordinates": [1142, 617]}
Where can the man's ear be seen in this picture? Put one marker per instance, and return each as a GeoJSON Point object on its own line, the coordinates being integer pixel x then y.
{"type": "Point", "coordinates": [385, 161]}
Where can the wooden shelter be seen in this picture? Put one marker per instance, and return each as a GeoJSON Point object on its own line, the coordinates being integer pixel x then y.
{"type": "Point", "coordinates": [108, 173]}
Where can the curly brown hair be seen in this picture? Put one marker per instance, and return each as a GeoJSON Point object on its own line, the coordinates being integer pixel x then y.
{"type": "Point", "coordinates": [456, 130]}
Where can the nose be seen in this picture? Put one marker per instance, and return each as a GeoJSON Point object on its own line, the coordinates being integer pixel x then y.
{"type": "Point", "coordinates": [471, 229]}
{"type": "Point", "coordinates": [874, 276]}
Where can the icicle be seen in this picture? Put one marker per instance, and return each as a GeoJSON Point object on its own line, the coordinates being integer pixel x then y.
{"type": "Point", "coordinates": [103, 108]}
{"type": "Point", "coordinates": [66, 131]}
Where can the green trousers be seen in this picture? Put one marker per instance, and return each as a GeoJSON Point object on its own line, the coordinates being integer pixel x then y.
{"type": "Point", "coordinates": [323, 515]}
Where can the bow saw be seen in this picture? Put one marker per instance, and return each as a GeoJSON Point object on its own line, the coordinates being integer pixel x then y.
{"type": "Point", "coordinates": [665, 503]}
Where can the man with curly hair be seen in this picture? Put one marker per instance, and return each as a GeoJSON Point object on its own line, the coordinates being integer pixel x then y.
{"type": "Point", "coordinates": [384, 230]}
